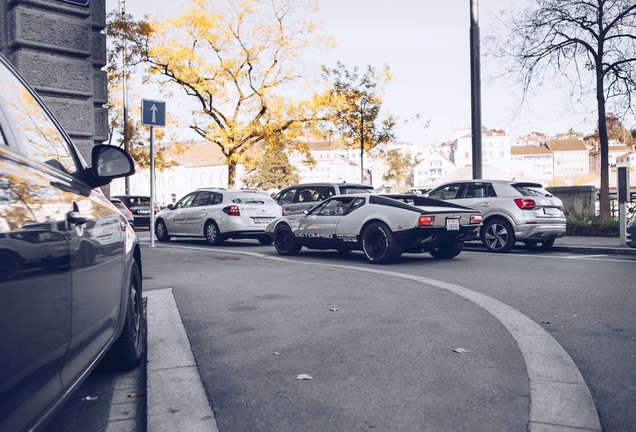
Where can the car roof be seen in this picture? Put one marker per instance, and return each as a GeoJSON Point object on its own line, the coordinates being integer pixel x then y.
{"type": "Point", "coordinates": [511, 182]}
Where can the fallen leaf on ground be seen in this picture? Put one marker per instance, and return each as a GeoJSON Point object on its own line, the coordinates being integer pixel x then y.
{"type": "Point", "coordinates": [304, 377]}
{"type": "Point", "coordinates": [461, 350]}
{"type": "Point", "coordinates": [89, 398]}
{"type": "Point", "coordinates": [545, 322]}
{"type": "Point", "coordinates": [333, 310]}
{"type": "Point", "coordinates": [276, 353]}
{"type": "Point", "coordinates": [134, 394]}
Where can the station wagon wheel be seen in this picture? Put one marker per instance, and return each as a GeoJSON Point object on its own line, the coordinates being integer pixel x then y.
{"type": "Point", "coordinates": [212, 233]}
{"type": "Point", "coordinates": [380, 245]}
{"type": "Point", "coordinates": [129, 348]}
{"type": "Point", "coordinates": [497, 235]}
{"type": "Point", "coordinates": [539, 245]}
{"type": "Point", "coordinates": [284, 241]}
{"type": "Point", "coordinates": [161, 231]}
{"type": "Point", "coordinates": [448, 250]}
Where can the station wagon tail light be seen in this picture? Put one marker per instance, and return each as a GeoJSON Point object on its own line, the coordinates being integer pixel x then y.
{"type": "Point", "coordinates": [475, 219]}
{"type": "Point", "coordinates": [232, 210]}
{"type": "Point", "coordinates": [426, 220]}
{"type": "Point", "coordinates": [525, 203]}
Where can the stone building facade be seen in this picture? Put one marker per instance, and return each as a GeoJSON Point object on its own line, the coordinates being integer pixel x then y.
{"type": "Point", "coordinates": [59, 47]}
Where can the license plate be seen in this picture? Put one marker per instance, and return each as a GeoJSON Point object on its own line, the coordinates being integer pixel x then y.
{"type": "Point", "coordinates": [144, 212]}
{"type": "Point", "coordinates": [551, 211]}
{"type": "Point", "coordinates": [452, 224]}
{"type": "Point", "coordinates": [261, 220]}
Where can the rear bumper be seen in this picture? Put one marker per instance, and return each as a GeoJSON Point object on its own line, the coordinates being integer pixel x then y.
{"type": "Point", "coordinates": [428, 239]}
{"type": "Point", "coordinates": [539, 231]}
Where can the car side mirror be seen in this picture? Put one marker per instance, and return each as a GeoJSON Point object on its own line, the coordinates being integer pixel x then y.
{"type": "Point", "coordinates": [109, 162]}
{"type": "Point", "coordinates": [170, 207]}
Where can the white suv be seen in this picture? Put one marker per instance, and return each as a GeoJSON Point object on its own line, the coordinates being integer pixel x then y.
{"type": "Point", "coordinates": [218, 215]}
{"type": "Point", "coordinates": [512, 211]}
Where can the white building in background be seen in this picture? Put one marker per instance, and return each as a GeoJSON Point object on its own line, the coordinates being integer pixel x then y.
{"type": "Point", "coordinates": [495, 148]}
{"type": "Point", "coordinates": [432, 167]}
{"type": "Point", "coordinates": [571, 159]}
{"type": "Point", "coordinates": [532, 162]}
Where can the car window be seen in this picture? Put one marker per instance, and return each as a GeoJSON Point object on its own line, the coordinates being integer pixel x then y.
{"type": "Point", "coordinates": [326, 192]}
{"type": "Point", "coordinates": [202, 199]}
{"type": "Point", "coordinates": [446, 192]}
{"type": "Point", "coordinates": [45, 142]}
{"type": "Point", "coordinates": [356, 204]}
{"type": "Point", "coordinates": [479, 190]}
{"type": "Point", "coordinates": [531, 190]}
{"type": "Point", "coordinates": [184, 202]}
{"type": "Point", "coordinates": [330, 208]}
{"type": "Point", "coordinates": [307, 194]}
{"type": "Point", "coordinates": [286, 196]}
{"type": "Point", "coordinates": [355, 189]}
{"type": "Point", "coordinates": [252, 199]}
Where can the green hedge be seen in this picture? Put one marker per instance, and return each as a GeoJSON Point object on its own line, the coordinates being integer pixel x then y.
{"type": "Point", "coordinates": [589, 225]}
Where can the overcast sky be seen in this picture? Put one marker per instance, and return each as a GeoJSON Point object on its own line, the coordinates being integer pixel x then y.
{"type": "Point", "coordinates": [427, 46]}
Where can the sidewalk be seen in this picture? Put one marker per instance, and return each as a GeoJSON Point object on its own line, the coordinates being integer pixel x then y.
{"type": "Point", "coordinates": [610, 245]}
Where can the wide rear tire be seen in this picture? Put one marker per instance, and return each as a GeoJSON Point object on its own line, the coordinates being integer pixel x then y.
{"type": "Point", "coordinates": [380, 245]}
{"type": "Point", "coordinates": [285, 241]}
{"type": "Point", "coordinates": [448, 250]}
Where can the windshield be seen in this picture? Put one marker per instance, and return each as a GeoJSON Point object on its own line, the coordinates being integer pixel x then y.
{"type": "Point", "coordinates": [257, 198]}
{"type": "Point", "coordinates": [344, 190]}
{"type": "Point", "coordinates": [532, 190]}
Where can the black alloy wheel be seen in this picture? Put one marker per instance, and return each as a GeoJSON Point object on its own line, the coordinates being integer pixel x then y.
{"type": "Point", "coordinates": [285, 242]}
{"type": "Point", "coordinates": [380, 245]}
{"type": "Point", "coordinates": [447, 250]}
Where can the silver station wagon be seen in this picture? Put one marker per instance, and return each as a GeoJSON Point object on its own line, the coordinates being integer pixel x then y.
{"type": "Point", "coordinates": [218, 215]}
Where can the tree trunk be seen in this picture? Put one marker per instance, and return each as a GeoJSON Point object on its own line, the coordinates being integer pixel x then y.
{"type": "Point", "coordinates": [604, 199]}
{"type": "Point", "coordinates": [231, 173]}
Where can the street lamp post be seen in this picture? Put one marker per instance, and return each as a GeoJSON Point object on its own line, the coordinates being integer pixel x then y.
{"type": "Point", "coordinates": [475, 81]}
{"type": "Point", "coordinates": [122, 13]}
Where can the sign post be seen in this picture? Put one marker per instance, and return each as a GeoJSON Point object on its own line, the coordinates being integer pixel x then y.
{"type": "Point", "coordinates": [153, 114]}
{"type": "Point", "coordinates": [623, 194]}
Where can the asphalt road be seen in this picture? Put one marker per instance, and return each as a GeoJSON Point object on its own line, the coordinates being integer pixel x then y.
{"type": "Point", "coordinates": [380, 347]}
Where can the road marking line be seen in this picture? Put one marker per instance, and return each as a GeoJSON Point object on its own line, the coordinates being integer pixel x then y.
{"type": "Point", "coordinates": [176, 397]}
{"type": "Point", "coordinates": [553, 377]}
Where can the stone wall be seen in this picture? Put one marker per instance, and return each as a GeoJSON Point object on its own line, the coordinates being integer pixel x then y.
{"type": "Point", "coordinates": [576, 199]}
{"type": "Point", "coordinates": [59, 47]}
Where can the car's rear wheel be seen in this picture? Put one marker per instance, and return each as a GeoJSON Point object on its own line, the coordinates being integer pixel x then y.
{"type": "Point", "coordinates": [539, 245]}
{"type": "Point", "coordinates": [448, 250]}
{"type": "Point", "coordinates": [497, 235]}
{"type": "Point", "coordinates": [285, 242]}
{"type": "Point", "coordinates": [380, 245]}
{"type": "Point", "coordinates": [212, 233]}
{"type": "Point", "coordinates": [128, 349]}
{"type": "Point", "coordinates": [161, 231]}
{"type": "Point", "coordinates": [265, 240]}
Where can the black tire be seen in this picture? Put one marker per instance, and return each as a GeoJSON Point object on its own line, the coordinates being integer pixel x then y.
{"type": "Point", "coordinates": [265, 240]}
{"type": "Point", "coordinates": [212, 234]}
{"type": "Point", "coordinates": [129, 348]}
{"type": "Point", "coordinates": [539, 245]}
{"type": "Point", "coordinates": [11, 263]}
{"type": "Point", "coordinates": [161, 231]}
{"type": "Point", "coordinates": [380, 245]}
{"type": "Point", "coordinates": [285, 242]}
{"type": "Point", "coordinates": [448, 250]}
{"type": "Point", "coordinates": [498, 236]}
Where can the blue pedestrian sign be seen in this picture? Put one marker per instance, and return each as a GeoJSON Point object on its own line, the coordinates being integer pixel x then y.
{"type": "Point", "coordinates": [153, 113]}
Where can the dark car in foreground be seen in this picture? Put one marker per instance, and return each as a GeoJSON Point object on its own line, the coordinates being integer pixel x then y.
{"type": "Point", "coordinates": [630, 238]}
{"type": "Point", "coordinates": [382, 227]}
{"type": "Point", "coordinates": [70, 265]}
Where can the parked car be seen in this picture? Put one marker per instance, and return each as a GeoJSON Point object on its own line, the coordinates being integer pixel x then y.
{"type": "Point", "coordinates": [630, 238]}
{"type": "Point", "coordinates": [60, 313]}
{"type": "Point", "coordinates": [124, 210]}
{"type": "Point", "coordinates": [217, 215]}
{"type": "Point", "coordinates": [294, 199]}
{"type": "Point", "coordinates": [512, 210]}
{"type": "Point", "coordinates": [382, 227]}
{"type": "Point", "coordinates": [139, 205]}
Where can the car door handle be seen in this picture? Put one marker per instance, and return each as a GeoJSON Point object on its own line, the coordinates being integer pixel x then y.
{"type": "Point", "coordinates": [485, 204]}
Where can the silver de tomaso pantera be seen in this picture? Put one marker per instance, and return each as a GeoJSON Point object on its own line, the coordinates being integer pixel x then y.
{"type": "Point", "coordinates": [381, 226]}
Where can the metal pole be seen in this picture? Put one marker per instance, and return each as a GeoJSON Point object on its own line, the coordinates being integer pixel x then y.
{"type": "Point", "coordinates": [152, 190]}
{"type": "Point", "coordinates": [122, 13]}
{"type": "Point", "coordinates": [361, 143]}
{"type": "Point", "coordinates": [475, 82]}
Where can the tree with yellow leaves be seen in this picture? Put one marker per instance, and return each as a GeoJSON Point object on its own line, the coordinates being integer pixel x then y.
{"type": "Point", "coordinates": [235, 60]}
